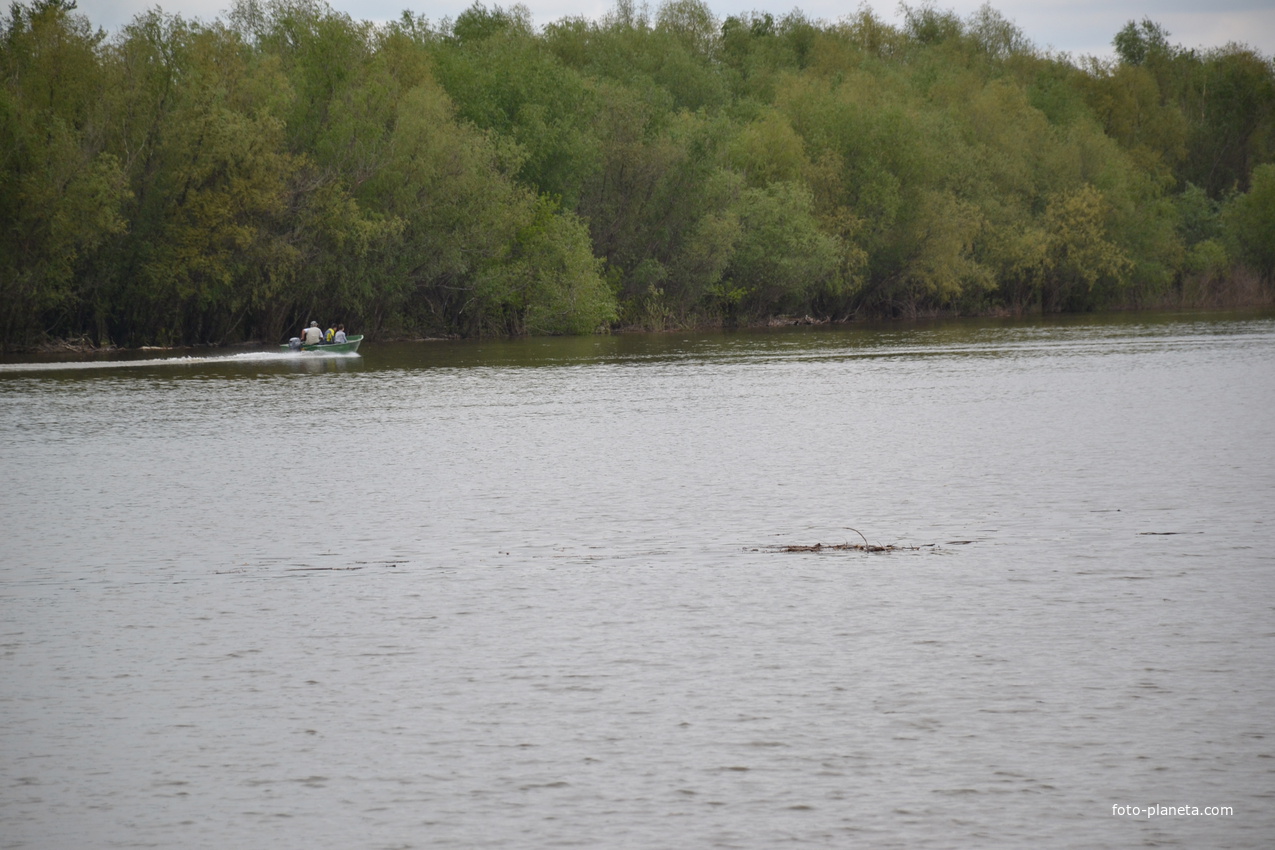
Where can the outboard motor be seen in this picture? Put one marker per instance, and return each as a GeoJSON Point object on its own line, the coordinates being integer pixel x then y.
{"type": "Point", "coordinates": [295, 343]}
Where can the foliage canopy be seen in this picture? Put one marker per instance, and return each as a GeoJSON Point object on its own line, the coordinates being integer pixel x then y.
{"type": "Point", "coordinates": [187, 182]}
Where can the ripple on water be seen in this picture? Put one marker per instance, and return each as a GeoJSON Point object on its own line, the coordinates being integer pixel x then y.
{"type": "Point", "coordinates": [505, 596]}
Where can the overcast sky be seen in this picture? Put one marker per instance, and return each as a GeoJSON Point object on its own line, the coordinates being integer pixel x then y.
{"type": "Point", "coordinates": [1076, 26]}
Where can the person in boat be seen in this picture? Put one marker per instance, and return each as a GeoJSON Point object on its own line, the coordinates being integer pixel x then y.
{"type": "Point", "coordinates": [330, 335]}
{"type": "Point", "coordinates": [339, 336]}
{"type": "Point", "coordinates": [312, 335]}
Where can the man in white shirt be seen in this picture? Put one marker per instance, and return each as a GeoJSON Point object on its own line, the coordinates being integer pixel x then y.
{"type": "Point", "coordinates": [312, 335]}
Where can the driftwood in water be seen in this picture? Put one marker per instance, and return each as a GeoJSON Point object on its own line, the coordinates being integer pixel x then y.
{"type": "Point", "coordinates": [855, 547]}
{"type": "Point", "coordinates": [865, 546]}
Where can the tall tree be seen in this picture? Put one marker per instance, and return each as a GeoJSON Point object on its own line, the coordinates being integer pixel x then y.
{"type": "Point", "coordinates": [61, 192]}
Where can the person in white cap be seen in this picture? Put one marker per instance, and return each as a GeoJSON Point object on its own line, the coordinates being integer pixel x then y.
{"type": "Point", "coordinates": [312, 335]}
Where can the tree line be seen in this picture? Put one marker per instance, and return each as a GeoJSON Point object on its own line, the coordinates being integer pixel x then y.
{"type": "Point", "coordinates": [184, 182]}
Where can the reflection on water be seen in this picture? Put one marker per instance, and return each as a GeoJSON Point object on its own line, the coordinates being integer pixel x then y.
{"type": "Point", "coordinates": [980, 337]}
{"type": "Point", "coordinates": [529, 593]}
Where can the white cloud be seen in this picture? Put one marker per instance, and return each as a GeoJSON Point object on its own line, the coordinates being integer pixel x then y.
{"type": "Point", "coordinates": [113, 14]}
{"type": "Point", "coordinates": [1075, 26]}
{"type": "Point", "coordinates": [1207, 29]}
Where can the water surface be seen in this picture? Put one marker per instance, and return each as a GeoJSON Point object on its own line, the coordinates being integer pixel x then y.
{"type": "Point", "coordinates": [533, 593]}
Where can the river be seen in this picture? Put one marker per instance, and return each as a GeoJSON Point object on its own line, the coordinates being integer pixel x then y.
{"type": "Point", "coordinates": [538, 593]}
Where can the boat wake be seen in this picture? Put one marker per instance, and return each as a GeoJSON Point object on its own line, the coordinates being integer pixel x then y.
{"type": "Point", "coordinates": [223, 359]}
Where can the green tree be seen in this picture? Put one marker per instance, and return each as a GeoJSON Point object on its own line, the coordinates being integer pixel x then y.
{"type": "Point", "coordinates": [781, 256]}
{"type": "Point", "coordinates": [692, 23]}
{"type": "Point", "coordinates": [508, 82]}
{"type": "Point", "coordinates": [1231, 102]}
{"type": "Point", "coordinates": [1127, 99]}
{"type": "Point", "coordinates": [210, 189]}
{"type": "Point", "coordinates": [61, 192]}
{"type": "Point", "coordinates": [1249, 221]}
{"type": "Point", "coordinates": [1138, 44]}
{"type": "Point", "coordinates": [551, 283]}
{"type": "Point", "coordinates": [768, 150]}
{"type": "Point", "coordinates": [1078, 253]}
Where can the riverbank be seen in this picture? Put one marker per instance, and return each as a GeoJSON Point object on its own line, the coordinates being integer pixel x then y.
{"type": "Point", "coordinates": [1203, 294]}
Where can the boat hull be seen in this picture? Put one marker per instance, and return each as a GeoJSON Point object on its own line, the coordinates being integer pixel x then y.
{"type": "Point", "coordinates": [350, 346]}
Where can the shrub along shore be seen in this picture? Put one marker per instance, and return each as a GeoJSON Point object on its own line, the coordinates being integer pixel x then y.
{"type": "Point", "coordinates": [191, 183]}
